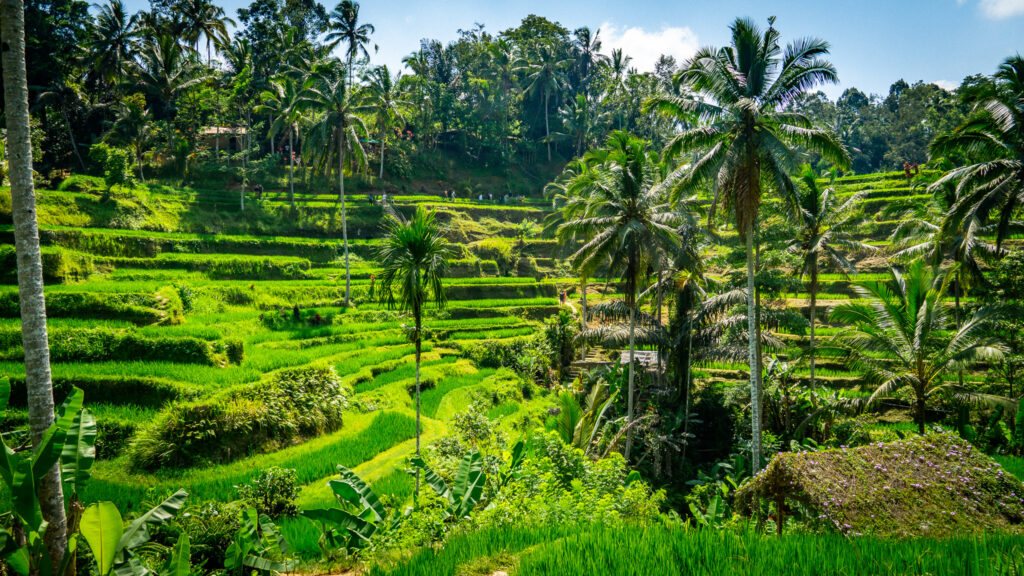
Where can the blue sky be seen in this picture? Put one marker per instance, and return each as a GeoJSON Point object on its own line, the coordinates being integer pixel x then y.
{"type": "Point", "coordinates": [874, 42]}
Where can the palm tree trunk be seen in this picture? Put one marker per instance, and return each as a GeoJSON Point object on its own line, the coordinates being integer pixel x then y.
{"type": "Point", "coordinates": [755, 371]}
{"type": "Point", "coordinates": [30, 267]}
{"type": "Point", "coordinates": [547, 133]}
{"type": "Point", "coordinates": [632, 376]}
{"type": "Point", "coordinates": [583, 320]}
{"type": "Point", "coordinates": [814, 303]}
{"type": "Point", "coordinates": [956, 309]}
{"type": "Point", "coordinates": [920, 415]}
{"type": "Point", "coordinates": [344, 219]}
{"type": "Point", "coordinates": [291, 169]}
{"type": "Point", "coordinates": [381, 154]}
{"type": "Point", "coordinates": [71, 139]}
{"type": "Point", "coordinates": [686, 382]}
{"type": "Point", "coordinates": [419, 326]}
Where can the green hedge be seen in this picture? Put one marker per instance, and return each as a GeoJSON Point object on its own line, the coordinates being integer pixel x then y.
{"type": "Point", "coordinates": [105, 345]}
{"type": "Point", "coordinates": [59, 265]}
{"type": "Point", "coordinates": [228, 268]}
{"type": "Point", "coordinates": [137, 308]}
{"type": "Point", "coordinates": [294, 405]}
{"type": "Point", "coordinates": [135, 390]}
{"type": "Point", "coordinates": [141, 245]}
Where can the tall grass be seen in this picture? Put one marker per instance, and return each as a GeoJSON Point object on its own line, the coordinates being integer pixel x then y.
{"type": "Point", "coordinates": [656, 550]}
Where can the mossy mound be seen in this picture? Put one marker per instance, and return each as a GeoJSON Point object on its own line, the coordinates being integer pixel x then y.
{"type": "Point", "coordinates": [933, 485]}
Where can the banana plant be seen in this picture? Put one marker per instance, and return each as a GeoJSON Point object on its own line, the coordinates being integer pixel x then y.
{"type": "Point", "coordinates": [467, 488]}
{"type": "Point", "coordinates": [21, 471]}
{"type": "Point", "coordinates": [113, 545]}
{"type": "Point", "coordinates": [259, 545]}
{"type": "Point", "coordinates": [352, 525]}
{"type": "Point", "coordinates": [70, 442]}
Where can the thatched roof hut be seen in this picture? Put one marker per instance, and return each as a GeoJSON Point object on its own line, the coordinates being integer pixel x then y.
{"type": "Point", "coordinates": [935, 485]}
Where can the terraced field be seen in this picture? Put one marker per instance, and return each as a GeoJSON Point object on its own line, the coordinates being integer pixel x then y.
{"type": "Point", "coordinates": [172, 299]}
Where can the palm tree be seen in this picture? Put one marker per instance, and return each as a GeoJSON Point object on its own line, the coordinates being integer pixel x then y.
{"type": "Point", "coordinates": [202, 18]}
{"type": "Point", "coordinates": [902, 336]}
{"type": "Point", "coordinates": [385, 97]}
{"type": "Point", "coordinates": [111, 41]}
{"type": "Point", "coordinates": [824, 240]}
{"type": "Point", "coordinates": [618, 65]}
{"type": "Point", "coordinates": [747, 140]}
{"type": "Point", "coordinates": [165, 70]}
{"type": "Point", "coordinates": [65, 97]}
{"type": "Point", "coordinates": [546, 75]}
{"type": "Point", "coordinates": [38, 382]}
{"type": "Point", "coordinates": [626, 221]}
{"type": "Point", "coordinates": [283, 102]}
{"type": "Point", "coordinates": [345, 27]}
{"type": "Point", "coordinates": [994, 139]}
{"type": "Point", "coordinates": [134, 128]}
{"type": "Point", "coordinates": [335, 131]}
{"type": "Point", "coordinates": [414, 256]}
{"type": "Point", "coordinates": [587, 47]}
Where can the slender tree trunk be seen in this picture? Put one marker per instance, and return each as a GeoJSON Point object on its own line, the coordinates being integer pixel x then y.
{"type": "Point", "coordinates": [632, 376]}
{"type": "Point", "coordinates": [138, 160]}
{"type": "Point", "coordinates": [956, 308]}
{"type": "Point", "coordinates": [344, 218]}
{"type": "Point", "coordinates": [30, 267]}
{"type": "Point", "coordinates": [419, 326]}
{"type": "Point", "coordinates": [71, 138]}
{"type": "Point", "coordinates": [814, 304]}
{"type": "Point", "coordinates": [583, 320]}
{"type": "Point", "coordinates": [547, 129]}
{"type": "Point", "coordinates": [920, 415]}
{"type": "Point", "coordinates": [755, 371]}
{"type": "Point", "coordinates": [291, 168]}
{"type": "Point", "coordinates": [689, 387]}
{"type": "Point", "coordinates": [382, 154]}
{"type": "Point", "coordinates": [658, 316]}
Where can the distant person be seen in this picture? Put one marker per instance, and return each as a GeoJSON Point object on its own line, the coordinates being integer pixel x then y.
{"type": "Point", "coordinates": [561, 297]}
{"type": "Point", "coordinates": [481, 198]}
{"type": "Point", "coordinates": [295, 313]}
{"type": "Point", "coordinates": [490, 196]}
{"type": "Point", "coordinates": [906, 170]}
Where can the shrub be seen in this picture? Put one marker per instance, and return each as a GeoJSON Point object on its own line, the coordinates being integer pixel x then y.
{"type": "Point", "coordinates": [291, 406]}
{"type": "Point", "coordinates": [497, 249]}
{"type": "Point", "coordinates": [235, 349]}
{"type": "Point", "coordinates": [63, 265]}
{"type": "Point", "coordinates": [116, 164]}
{"type": "Point", "coordinates": [273, 492]}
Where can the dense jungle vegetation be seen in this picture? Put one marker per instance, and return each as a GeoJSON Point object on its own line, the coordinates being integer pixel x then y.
{"type": "Point", "coordinates": [517, 309]}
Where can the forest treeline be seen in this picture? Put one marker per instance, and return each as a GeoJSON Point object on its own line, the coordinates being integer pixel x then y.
{"type": "Point", "coordinates": [152, 80]}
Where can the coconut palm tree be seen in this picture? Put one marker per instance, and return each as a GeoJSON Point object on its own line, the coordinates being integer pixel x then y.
{"type": "Point", "coordinates": [824, 240]}
{"type": "Point", "coordinates": [901, 335]}
{"type": "Point", "coordinates": [283, 101]}
{"type": "Point", "coordinates": [204, 19]}
{"type": "Point", "coordinates": [626, 221]}
{"type": "Point", "coordinates": [545, 75]}
{"type": "Point", "coordinates": [38, 381]}
{"type": "Point", "coordinates": [747, 140]}
{"type": "Point", "coordinates": [133, 128]}
{"type": "Point", "coordinates": [587, 49]}
{"type": "Point", "coordinates": [993, 137]}
{"type": "Point", "coordinates": [112, 42]}
{"type": "Point", "coordinates": [414, 256]}
{"type": "Point", "coordinates": [345, 27]}
{"type": "Point", "coordinates": [165, 70]}
{"type": "Point", "coordinates": [385, 97]}
{"type": "Point", "coordinates": [335, 131]}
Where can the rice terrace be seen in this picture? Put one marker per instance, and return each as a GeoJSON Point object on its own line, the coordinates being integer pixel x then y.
{"type": "Point", "coordinates": [443, 289]}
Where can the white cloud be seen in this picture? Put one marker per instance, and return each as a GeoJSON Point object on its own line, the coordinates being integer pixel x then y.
{"type": "Point", "coordinates": [645, 47]}
{"type": "Point", "coordinates": [1001, 9]}
{"type": "Point", "coordinates": [947, 84]}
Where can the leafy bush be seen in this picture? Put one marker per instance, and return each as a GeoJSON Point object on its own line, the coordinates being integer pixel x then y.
{"type": "Point", "coordinates": [273, 492]}
{"type": "Point", "coordinates": [291, 406]}
{"type": "Point", "coordinates": [235, 350]}
{"type": "Point", "coordinates": [116, 164]}
{"type": "Point", "coordinates": [498, 249]}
